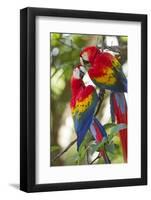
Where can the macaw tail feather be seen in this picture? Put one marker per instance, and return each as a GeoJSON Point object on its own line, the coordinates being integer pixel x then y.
{"type": "Point", "coordinates": [123, 139]}
{"type": "Point", "coordinates": [99, 134]}
{"type": "Point", "coordinates": [105, 156]}
{"type": "Point", "coordinates": [119, 114]}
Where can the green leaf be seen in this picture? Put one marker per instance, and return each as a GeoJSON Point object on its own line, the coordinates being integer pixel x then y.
{"type": "Point", "coordinates": [98, 146]}
{"type": "Point", "coordinates": [112, 127]}
{"type": "Point", "coordinates": [109, 125]}
{"type": "Point", "coordinates": [115, 130]}
{"type": "Point", "coordinates": [54, 148]}
{"type": "Point", "coordinates": [110, 147]}
{"type": "Point", "coordinates": [93, 148]}
{"type": "Point", "coordinates": [84, 148]}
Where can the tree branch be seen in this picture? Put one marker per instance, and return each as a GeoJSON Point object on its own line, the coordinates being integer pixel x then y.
{"type": "Point", "coordinates": [56, 70]}
{"type": "Point", "coordinates": [65, 150]}
{"type": "Point", "coordinates": [87, 156]}
{"type": "Point", "coordinates": [94, 160]}
{"type": "Point", "coordinates": [101, 95]}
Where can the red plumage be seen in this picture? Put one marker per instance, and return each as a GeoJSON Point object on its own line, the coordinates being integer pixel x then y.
{"type": "Point", "coordinates": [121, 117]}
{"type": "Point", "coordinates": [100, 61]}
{"type": "Point", "coordinates": [79, 90]}
{"type": "Point", "coordinates": [92, 51]}
{"type": "Point", "coordinates": [99, 138]}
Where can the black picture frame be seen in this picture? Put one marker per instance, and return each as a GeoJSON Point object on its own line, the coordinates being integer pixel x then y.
{"type": "Point", "coordinates": [28, 99]}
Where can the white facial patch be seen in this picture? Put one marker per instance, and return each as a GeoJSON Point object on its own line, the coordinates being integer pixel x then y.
{"type": "Point", "coordinates": [85, 56]}
{"type": "Point", "coordinates": [76, 73]}
{"type": "Point", "coordinates": [81, 61]}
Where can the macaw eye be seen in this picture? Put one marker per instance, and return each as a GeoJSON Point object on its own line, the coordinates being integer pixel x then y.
{"type": "Point", "coordinates": [83, 62]}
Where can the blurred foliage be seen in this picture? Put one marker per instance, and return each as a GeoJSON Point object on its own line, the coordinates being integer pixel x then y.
{"type": "Point", "coordinates": [64, 56]}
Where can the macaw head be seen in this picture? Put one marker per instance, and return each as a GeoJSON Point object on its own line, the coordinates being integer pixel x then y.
{"type": "Point", "coordinates": [79, 72]}
{"type": "Point", "coordinates": [88, 54]}
{"type": "Point", "coordinates": [76, 80]}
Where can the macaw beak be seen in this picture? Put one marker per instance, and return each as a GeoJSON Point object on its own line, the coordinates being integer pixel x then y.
{"type": "Point", "coordinates": [85, 63]}
{"type": "Point", "coordinates": [81, 61]}
{"type": "Point", "coordinates": [81, 74]}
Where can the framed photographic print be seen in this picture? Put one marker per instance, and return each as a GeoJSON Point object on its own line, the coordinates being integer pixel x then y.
{"type": "Point", "coordinates": [83, 99]}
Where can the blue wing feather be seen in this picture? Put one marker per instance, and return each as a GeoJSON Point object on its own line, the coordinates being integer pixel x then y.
{"type": "Point", "coordinates": [83, 120]}
{"type": "Point", "coordinates": [102, 130]}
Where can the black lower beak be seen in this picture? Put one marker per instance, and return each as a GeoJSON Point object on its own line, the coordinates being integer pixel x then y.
{"type": "Point", "coordinates": [81, 74]}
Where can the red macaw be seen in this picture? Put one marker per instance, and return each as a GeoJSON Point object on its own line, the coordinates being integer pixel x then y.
{"type": "Point", "coordinates": [83, 103]}
{"type": "Point", "coordinates": [105, 71]}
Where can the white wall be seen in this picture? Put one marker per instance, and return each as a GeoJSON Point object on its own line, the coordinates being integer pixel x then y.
{"type": "Point", "coordinates": [9, 99]}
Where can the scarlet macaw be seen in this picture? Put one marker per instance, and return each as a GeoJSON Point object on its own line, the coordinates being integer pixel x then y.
{"type": "Point", "coordinates": [105, 71]}
{"type": "Point", "coordinates": [83, 103]}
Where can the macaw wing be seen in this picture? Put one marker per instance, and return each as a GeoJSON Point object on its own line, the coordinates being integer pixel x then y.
{"type": "Point", "coordinates": [118, 73]}
{"type": "Point", "coordinates": [121, 79]}
{"type": "Point", "coordinates": [107, 73]}
{"type": "Point", "coordinates": [83, 115]}
{"type": "Point", "coordinates": [114, 82]}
